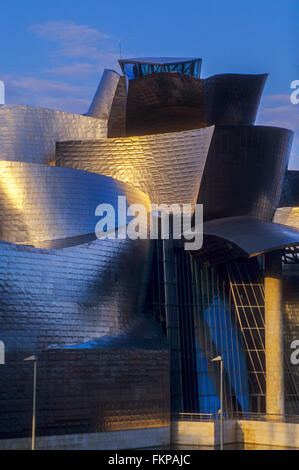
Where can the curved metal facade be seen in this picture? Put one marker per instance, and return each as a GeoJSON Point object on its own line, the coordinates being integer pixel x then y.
{"type": "Point", "coordinates": [233, 99]}
{"type": "Point", "coordinates": [164, 102]}
{"type": "Point", "coordinates": [235, 237]}
{"type": "Point", "coordinates": [88, 297]}
{"type": "Point", "coordinates": [109, 103]}
{"type": "Point", "coordinates": [244, 171]}
{"type": "Point", "coordinates": [66, 297]}
{"type": "Point", "coordinates": [50, 207]}
{"type": "Point", "coordinates": [287, 216]}
{"type": "Point", "coordinates": [103, 98]}
{"type": "Point", "coordinates": [77, 302]}
{"type": "Point", "coordinates": [167, 167]}
{"type": "Point", "coordinates": [29, 134]}
{"type": "Point", "coordinates": [288, 211]}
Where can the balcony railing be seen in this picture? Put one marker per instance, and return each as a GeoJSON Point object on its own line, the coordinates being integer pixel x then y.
{"type": "Point", "coordinates": [235, 416]}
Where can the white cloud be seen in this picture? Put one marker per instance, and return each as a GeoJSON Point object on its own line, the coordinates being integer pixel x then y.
{"type": "Point", "coordinates": [78, 52]}
{"type": "Point", "coordinates": [79, 41]}
{"type": "Point", "coordinates": [74, 70]}
{"type": "Point", "coordinates": [53, 94]}
{"type": "Point", "coordinates": [68, 31]}
{"type": "Point", "coordinates": [277, 110]}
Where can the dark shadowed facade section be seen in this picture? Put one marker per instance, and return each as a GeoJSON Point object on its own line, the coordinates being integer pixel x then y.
{"type": "Point", "coordinates": [164, 102]}
{"type": "Point", "coordinates": [233, 99]}
{"type": "Point", "coordinates": [244, 171]}
{"type": "Point", "coordinates": [290, 190]}
{"type": "Point", "coordinates": [69, 298]}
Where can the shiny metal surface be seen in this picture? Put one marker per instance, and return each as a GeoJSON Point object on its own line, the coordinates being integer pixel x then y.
{"type": "Point", "coordinates": [74, 292]}
{"type": "Point", "coordinates": [29, 133]}
{"type": "Point", "coordinates": [78, 303]}
{"type": "Point", "coordinates": [233, 99]}
{"type": "Point", "coordinates": [290, 189]}
{"type": "Point", "coordinates": [288, 211]}
{"type": "Point", "coordinates": [103, 98]}
{"type": "Point", "coordinates": [287, 216]}
{"type": "Point", "coordinates": [233, 237]}
{"type": "Point", "coordinates": [244, 171]}
{"type": "Point", "coordinates": [167, 167]}
{"type": "Point", "coordinates": [69, 297]}
{"type": "Point", "coordinates": [168, 102]}
{"type": "Point", "coordinates": [46, 206]}
{"type": "Point", "coordinates": [165, 102]}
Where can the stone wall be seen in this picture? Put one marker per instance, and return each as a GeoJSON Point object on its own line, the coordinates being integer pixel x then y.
{"type": "Point", "coordinates": [132, 439]}
{"type": "Point", "coordinates": [242, 432]}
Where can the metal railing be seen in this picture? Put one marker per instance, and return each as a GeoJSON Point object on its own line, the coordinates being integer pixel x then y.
{"type": "Point", "coordinates": [208, 417]}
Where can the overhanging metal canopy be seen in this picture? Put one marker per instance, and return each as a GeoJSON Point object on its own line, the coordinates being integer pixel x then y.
{"type": "Point", "coordinates": [229, 238]}
{"type": "Point", "coordinates": [134, 68]}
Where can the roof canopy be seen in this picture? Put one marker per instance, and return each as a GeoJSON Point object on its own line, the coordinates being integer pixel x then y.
{"type": "Point", "coordinates": [230, 238]}
{"type": "Point", "coordinates": [134, 68]}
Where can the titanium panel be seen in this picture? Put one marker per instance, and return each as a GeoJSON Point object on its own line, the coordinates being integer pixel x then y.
{"type": "Point", "coordinates": [244, 171]}
{"type": "Point", "coordinates": [29, 133]}
{"type": "Point", "coordinates": [46, 206]}
{"type": "Point", "coordinates": [233, 99]}
{"type": "Point", "coordinates": [71, 295]}
{"type": "Point", "coordinates": [287, 216]}
{"type": "Point", "coordinates": [117, 117]}
{"type": "Point", "coordinates": [167, 167]}
{"type": "Point", "coordinates": [243, 237]}
{"type": "Point", "coordinates": [165, 102]}
{"type": "Point", "coordinates": [288, 211]}
{"type": "Point", "coordinates": [103, 98]}
{"type": "Point", "coordinates": [113, 372]}
{"type": "Point", "coordinates": [290, 190]}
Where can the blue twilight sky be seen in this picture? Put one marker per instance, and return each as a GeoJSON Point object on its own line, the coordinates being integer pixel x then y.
{"type": "Point", "coordinates": [53, 52]}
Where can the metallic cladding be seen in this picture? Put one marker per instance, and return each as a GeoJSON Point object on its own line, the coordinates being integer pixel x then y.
{"type": "Point", "coordinates": [109, 103]}
{"type": "Point", "coordinates": [29, 133]}
{"type": "Point", "coordinates": [233, 99]}
{"type": "Point", "coordinates": [168, 102]}
{"type": "Point", "coordinates": [103, 98]}
{"type": "Point", "coordinates": [74, 292]}
{"type": "Point", "coordinates": [287, 216]}
{"type": "Point", "coordinates": [167, 167]}
{"type": "Point", "coordinates": [78, 303]}
{"type": "Point", "coordinates": [243, 237]}
{"type": "Point", "coordinates": [43, 205]}
{"type": "Point", "coordinates": [88, 297]}
{"type": "Point", "coordinates": [244, 171]}
{"type": "Point", "coordinates": [70, 295]}
{"type": "Point", "coordinates": [164, 102]}
{"type": "Point", "coordinates": [290, 190]}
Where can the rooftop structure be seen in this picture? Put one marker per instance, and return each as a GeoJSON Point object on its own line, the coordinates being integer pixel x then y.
{"type": "Point", "coordinates": [134, 68]}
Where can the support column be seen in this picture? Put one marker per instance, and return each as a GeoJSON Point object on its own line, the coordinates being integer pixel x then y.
{"type": "Point", "coordinates": [274, 333]}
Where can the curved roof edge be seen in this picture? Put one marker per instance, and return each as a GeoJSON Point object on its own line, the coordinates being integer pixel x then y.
{"type": "Point", "coordinates": [234, 237]}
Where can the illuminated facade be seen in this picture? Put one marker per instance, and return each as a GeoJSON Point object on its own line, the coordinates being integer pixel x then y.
{"type": "Point", "coordinates": [125, 330]}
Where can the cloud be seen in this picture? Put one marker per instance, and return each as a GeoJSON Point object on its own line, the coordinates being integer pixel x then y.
{"type": "Point", "coordinates": [78, 41]}
{"type": "Point", "coordinates": [277, 110]}
{"type": "Point", "coordinates": [74, 70]}
{"type": "Point", "coordinates": [67, 31]}
{"type": "Point", "coordinates": [40, 85]}
{"type": "Point", "coordinates": [271, 99]}
{"type": "Point", "coordinates": [78, 52]}
{"type": "Point", "coordinates": [52, 94]}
